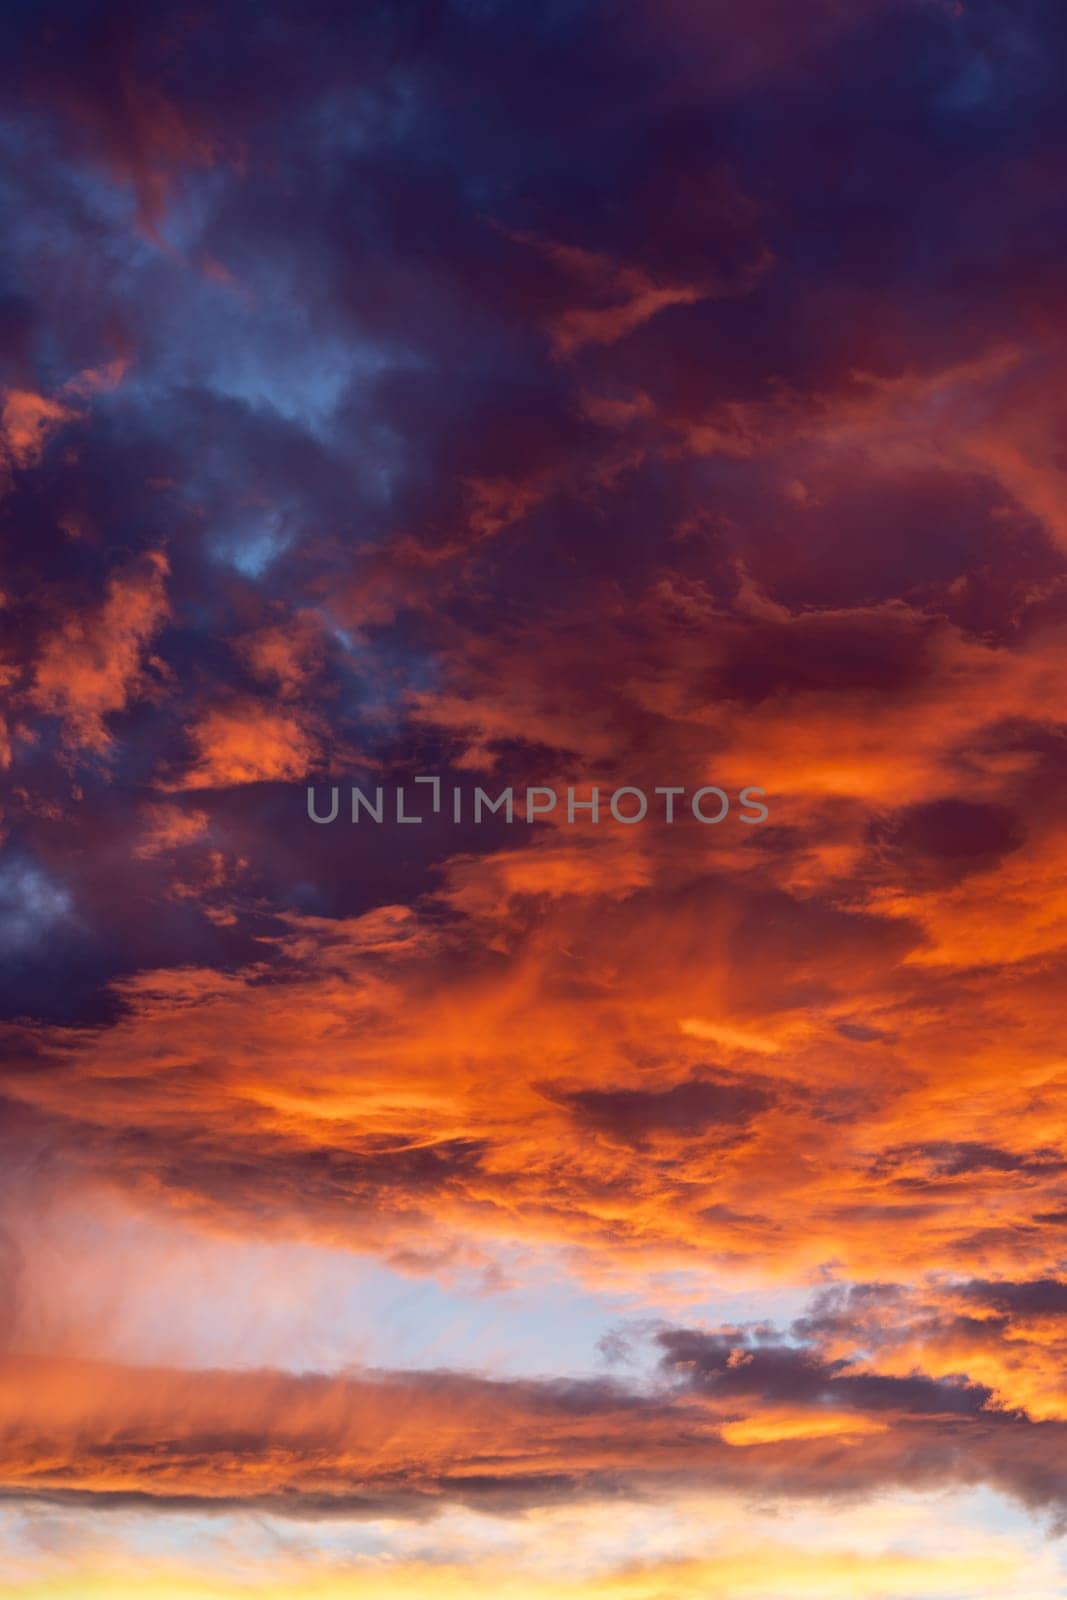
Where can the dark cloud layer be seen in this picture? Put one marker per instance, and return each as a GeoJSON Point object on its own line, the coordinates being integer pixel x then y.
{"type": "Point", "coordinates": [739, 1413]}
{"type": "Point", "coordinates": [603, 393]}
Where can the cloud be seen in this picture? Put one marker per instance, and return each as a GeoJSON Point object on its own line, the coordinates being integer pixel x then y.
{"type": "Point", "coordinates": [249, 742]}
{"type": "Point", "coordinates": [687, 1110]}
{"type": "Point", "coordinates": [93, 665]}
{"type": "Point", "coordinates": [775, 1422]}
{"type": "Point", "coordinates": [623, 297]}
{"type": "Point", "coordinates": [643, 395]}
{"type": "Point", "coordinates": [168, 827]}
{"type": "Point", "coordinates": [27, 421]}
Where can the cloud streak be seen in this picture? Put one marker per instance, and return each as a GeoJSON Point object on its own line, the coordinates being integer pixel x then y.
{"type": "Point", "coordinates": [567, 396]}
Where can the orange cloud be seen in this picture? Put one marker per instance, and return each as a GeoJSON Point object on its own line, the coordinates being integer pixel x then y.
{"type": "Point", "coordinates": [286, 656]}
{"type": "Point", "coordinates": [168, 827]}
{"type": "Point", "coordinates": [408, 1444]}
{"type": "Point", "coordinates": [93, 664]}
{"type": "Point", "coordinates": [27, 422]}
{"type": "Point", "coordinates": [246, 741]}
{"type": "Point", "coordinates": [619, 297]}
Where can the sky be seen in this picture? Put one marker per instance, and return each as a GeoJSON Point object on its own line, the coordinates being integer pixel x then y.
{"type": "Point", "coordinates": [616, 395]}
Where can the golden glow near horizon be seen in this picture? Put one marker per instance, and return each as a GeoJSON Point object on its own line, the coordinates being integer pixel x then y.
{"type": "Point", "coordinates": [893, 1550]}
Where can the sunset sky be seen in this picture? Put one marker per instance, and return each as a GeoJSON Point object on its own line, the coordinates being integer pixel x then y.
{"type": "Point", "coordinates": [628, 393]}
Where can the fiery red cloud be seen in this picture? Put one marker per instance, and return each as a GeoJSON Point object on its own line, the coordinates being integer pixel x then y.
{"type": "Point", "coordinates": [639, 397]}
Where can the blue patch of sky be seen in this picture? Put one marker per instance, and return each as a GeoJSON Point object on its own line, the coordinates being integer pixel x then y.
{"type": "Point", "coordinates": [252, 545]}
{"type": "Point", "coordinates": [32, 906]}
{"type": "Point", "coordinates": [301, 1307]}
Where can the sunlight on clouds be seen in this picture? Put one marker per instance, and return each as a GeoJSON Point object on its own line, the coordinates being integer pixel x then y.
{"type": "Point", "coordinates": [771, 1426]}
{"type": "Point", "coordinates": [697, 1549]}
{"type": "Point", "coordinates": [650, 397]}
